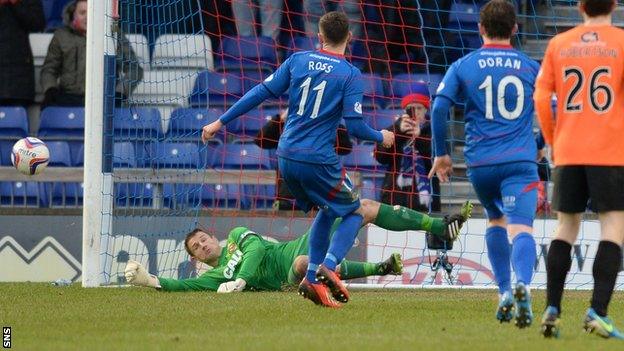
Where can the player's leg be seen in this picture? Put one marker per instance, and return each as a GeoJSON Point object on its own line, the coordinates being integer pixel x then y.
{"type": "Point", "coordinates": [569, 200]}
{"type": "Point", "coordinates": [519, 195]}
{"type": "Point", "coordinates": [349, 269]}
{"type": "Point", "coordinates": [399, 218]}
{"type": "Point", "coordinates": [486, 184]}
{"type": "Point", "coordinates": [295, 175]}
{"type": "Point", "coordinates": [606, 190]}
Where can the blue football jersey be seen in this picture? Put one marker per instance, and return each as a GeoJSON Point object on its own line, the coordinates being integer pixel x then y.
{"type": "Point", "coordinates": [323, 88]}
{"type": "Point", "coordinates": [496, 84]}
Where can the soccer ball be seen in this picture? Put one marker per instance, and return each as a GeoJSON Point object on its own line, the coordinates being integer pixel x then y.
{"type": "Point", "coordinates": [30, 156]}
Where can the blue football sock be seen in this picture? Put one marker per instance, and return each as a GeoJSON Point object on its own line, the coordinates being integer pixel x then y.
{"type": "Point", "coordinates": [523, 257]}
{"type": "Point", "coordinates": [319, 241]}
{"type": "Point", "coordinates": [498, 253]}
{"type": "Point", "coordinates": [343, 239]}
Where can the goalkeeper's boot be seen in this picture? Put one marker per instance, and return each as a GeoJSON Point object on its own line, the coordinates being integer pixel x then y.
{"type": "Point", "coordinates": [393, 265]}
{"type": "Point", "coordinates": [505, 311]}
{"type": "Point", "coordinates": [550, 322]}
{"type": "Point", "coordinates": [601, 326]}
{"type": "Point", "coordinates": [317, 293]}
{"type": "Point", "coordinates": [333, 282]}
{"type": "Point", "coordinates": [453, 223]}
{"type": "Point", "coordinates": [524, 313]}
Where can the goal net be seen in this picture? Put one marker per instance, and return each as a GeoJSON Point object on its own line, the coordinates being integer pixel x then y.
{"type": "Point", "coordinates": [159, 71]}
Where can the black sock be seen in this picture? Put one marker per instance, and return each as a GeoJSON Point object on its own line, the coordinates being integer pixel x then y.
{"type": "Point", "coordinates": [558, 264]}
{"type": "Point", "coordinates": [606, 268]}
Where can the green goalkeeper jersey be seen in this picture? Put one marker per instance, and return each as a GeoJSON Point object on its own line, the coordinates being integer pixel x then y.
{"type": "Point", "coordinates": [263, 264]}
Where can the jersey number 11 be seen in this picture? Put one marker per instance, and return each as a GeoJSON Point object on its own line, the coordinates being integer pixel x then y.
{"type": "Point", "coordinates": [304, 96]}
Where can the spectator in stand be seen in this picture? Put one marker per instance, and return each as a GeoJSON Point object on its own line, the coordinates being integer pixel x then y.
{"type": "Point", "coordinates": [64, 69]}
{"type": "Point", "coordinates": [268, 137]}
{"type": "Point", "coordinates": [409, 159]}
{"type": "Point", "coordinates": [270, 16]}
{"type": "Point", "coordinates": [17, 73]}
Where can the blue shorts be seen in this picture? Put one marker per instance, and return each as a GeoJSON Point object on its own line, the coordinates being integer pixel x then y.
{"type": "Point", "coordinates": [508, 189]}
{"type": "Point", "coordinates": [326, 186]}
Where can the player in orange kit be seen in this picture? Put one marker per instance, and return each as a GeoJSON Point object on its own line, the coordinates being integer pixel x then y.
{"type": "Point", "coordinates": [584, 68]}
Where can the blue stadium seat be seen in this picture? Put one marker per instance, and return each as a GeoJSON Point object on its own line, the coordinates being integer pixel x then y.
{"type": "Point", "coordinates": [362, 157]}
{"type": "Point", "coordinates": [402, 85]}
{"type": "Point", "coordinates": [62, 123]}
{"type": "Point", "coordinates": [218, 88]}
{"type": "Point", "coordinates": [374, 96]}
{"type": "Point", "coordinates": [13, 123]}
{"type": "Point", "coordinates": [182, 196]}
{"type": "Point", "coordinates": [248, 53]}
{"type": "Point", "coordinates": [259, 196]}
{"type": "Point", "coordinates": [300, 43]}
{"type": "Point", "coordinates": [464, 16]}
{"type": "Point", "coordinates": [134, 194]}
{"type": "Point", "coordinates": [137, 123]}
{"type": "Point", "coordinates": [124, 155]}
{"type": "Point", "coordinates": [381, 119]}
{"type": "Point", "coordinates": [249, 124]}
{"type": "Point", "coordinates": [77, 153]}
{"type": "Point", "coordinates": [186, 124]}
{"type": "Point", "coordinates": [22, 194]}
{"type": "Point", "coordinates": [174, 155]}
{"type": "Point", "coordinates": [6, 147]}
{"type": "Point", "coordinates": [53, 12]}
{"type": "Point", "coordinates": [242, 156]}
{"type": "Point", "coordinates": [368, 190]}
{"type": "Point", "coordinates": [360, 54]}
{"type": "Point", "coordinates": [60, 154]}
{"type": "Point", "coordinates": [222, 196]}
{"type": "Point", "coordinates": [65, 194]}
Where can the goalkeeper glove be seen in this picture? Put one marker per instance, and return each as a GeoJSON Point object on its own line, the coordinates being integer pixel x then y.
{"type": "Point", "coordinates": [233, 286]}
{"type": "Point", "coordinates": [137, 275]}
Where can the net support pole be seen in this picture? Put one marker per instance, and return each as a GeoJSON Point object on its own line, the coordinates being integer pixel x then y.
{"type": "Point", "coordinates": [97, 207]}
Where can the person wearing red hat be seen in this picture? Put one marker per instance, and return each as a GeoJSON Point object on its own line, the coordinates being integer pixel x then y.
{"type": "Point", "coordinates": [409, 160]}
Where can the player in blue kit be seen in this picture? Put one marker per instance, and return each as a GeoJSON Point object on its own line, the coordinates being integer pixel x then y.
{"type": "Point", "coordinates": [496, 84]}
{"type": "Point", "coordinates": [323, 88]}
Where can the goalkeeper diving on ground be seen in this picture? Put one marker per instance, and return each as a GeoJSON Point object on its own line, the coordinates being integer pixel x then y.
{"type": "Point", "coordinates": [249, 262]}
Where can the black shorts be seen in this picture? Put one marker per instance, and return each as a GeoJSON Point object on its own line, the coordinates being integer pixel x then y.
{"type": "Point", "coordinates": [601, 188]}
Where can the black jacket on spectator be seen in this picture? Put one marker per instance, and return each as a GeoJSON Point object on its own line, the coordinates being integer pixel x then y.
{"type": "Point", "coordinates": [392, 158]}
{"type": "Point", "coordinates": [268, 137]}
{"type": "Point", "coordinates": [17, 73]}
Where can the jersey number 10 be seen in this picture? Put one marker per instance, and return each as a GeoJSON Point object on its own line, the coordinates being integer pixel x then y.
{"type": "Point", "coordinates": [500, 93]}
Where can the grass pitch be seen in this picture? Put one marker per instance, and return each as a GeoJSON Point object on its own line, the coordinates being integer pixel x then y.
{"type": "Point", "coordinates": [45, 317]}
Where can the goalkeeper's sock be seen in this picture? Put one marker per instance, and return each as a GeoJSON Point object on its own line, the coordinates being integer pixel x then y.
{"type": "Point", "coordinates": [353, 269]}
{"type": "Point", "coordinates": [498, 253]}
{"type": "Point", "coordinates": [558, 263]}
{"type": "Point", "coordinates": [318, 241]}
{"type": "Point", "coordinates": [399, 218]}
{"type": "Point", "coordinates": [605, 271]}
{"type": "Point", "coordinates": [523, 257]}
{"type": "Point", "coordinates": [343, 239]}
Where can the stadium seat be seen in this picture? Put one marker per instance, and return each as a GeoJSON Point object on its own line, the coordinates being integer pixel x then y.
{"type": "Point", "coordinates": [300, 43]}
{"type": "Point", "coordinates": [21, 194]}
{"type": "Point", "coordinates": [242, 156]}
{"type": "Point", "coordinates": [62, 123]}
{"type": "Point", "coordinates": [222, 196]}
{"type": "Point", "coordinates": [6, 147]}
{"type": "Point", "coordinates": [134, 194]}
{"type": "Point", "coordinates": [183, 51]}
{"type": "Point", "coordinates": [208, 152]}
{"type": "Point", "coordinates": [249, 124]}
{"type": "Point", "coordinates": [60, 154]}
{"type": "Point", "coordinates": [141, 49]}
{"type": "Point", "coordinates": [402, 86]}
{"type": "Point", "coordinates": [164, 88]}
{"type": "Point", "coordinates": [249, 79]}
{"type": "Point", "coordinates": [182, 196]}
{"type": "Point", "coordinates": [13, 123]}
{"type": "Point", "coordinates": [124, 155]}
{"type": "Point", "coordinates": [360, 54]}
{"type": "Point", "coordinates": [368, 190]}
{"type": "Point", "coordinates": [65, 194]}
{"type": "Point", "coordinates": [381, 119]}
{"type": "Point", "coordinates": [259, 196]}
{"type": "Point", "coordinates": [373, 91]}
{"type": "Point", "coordinates": [464, 16]}
{"type": "Point", "coordinates": [217, 88]}
{"type": "Point", "coordinates": [248, 53]}
{"type": "Point", "coordinates": [362, 157]}
{"type": "Point", "coordinates": [53, 11]}
{"type": "Point", "coordinates": [186, 124]}
{"type": "Point", "coordinates": [174, 155]}
{"type": "Point", "coordinates": [140, 123]}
